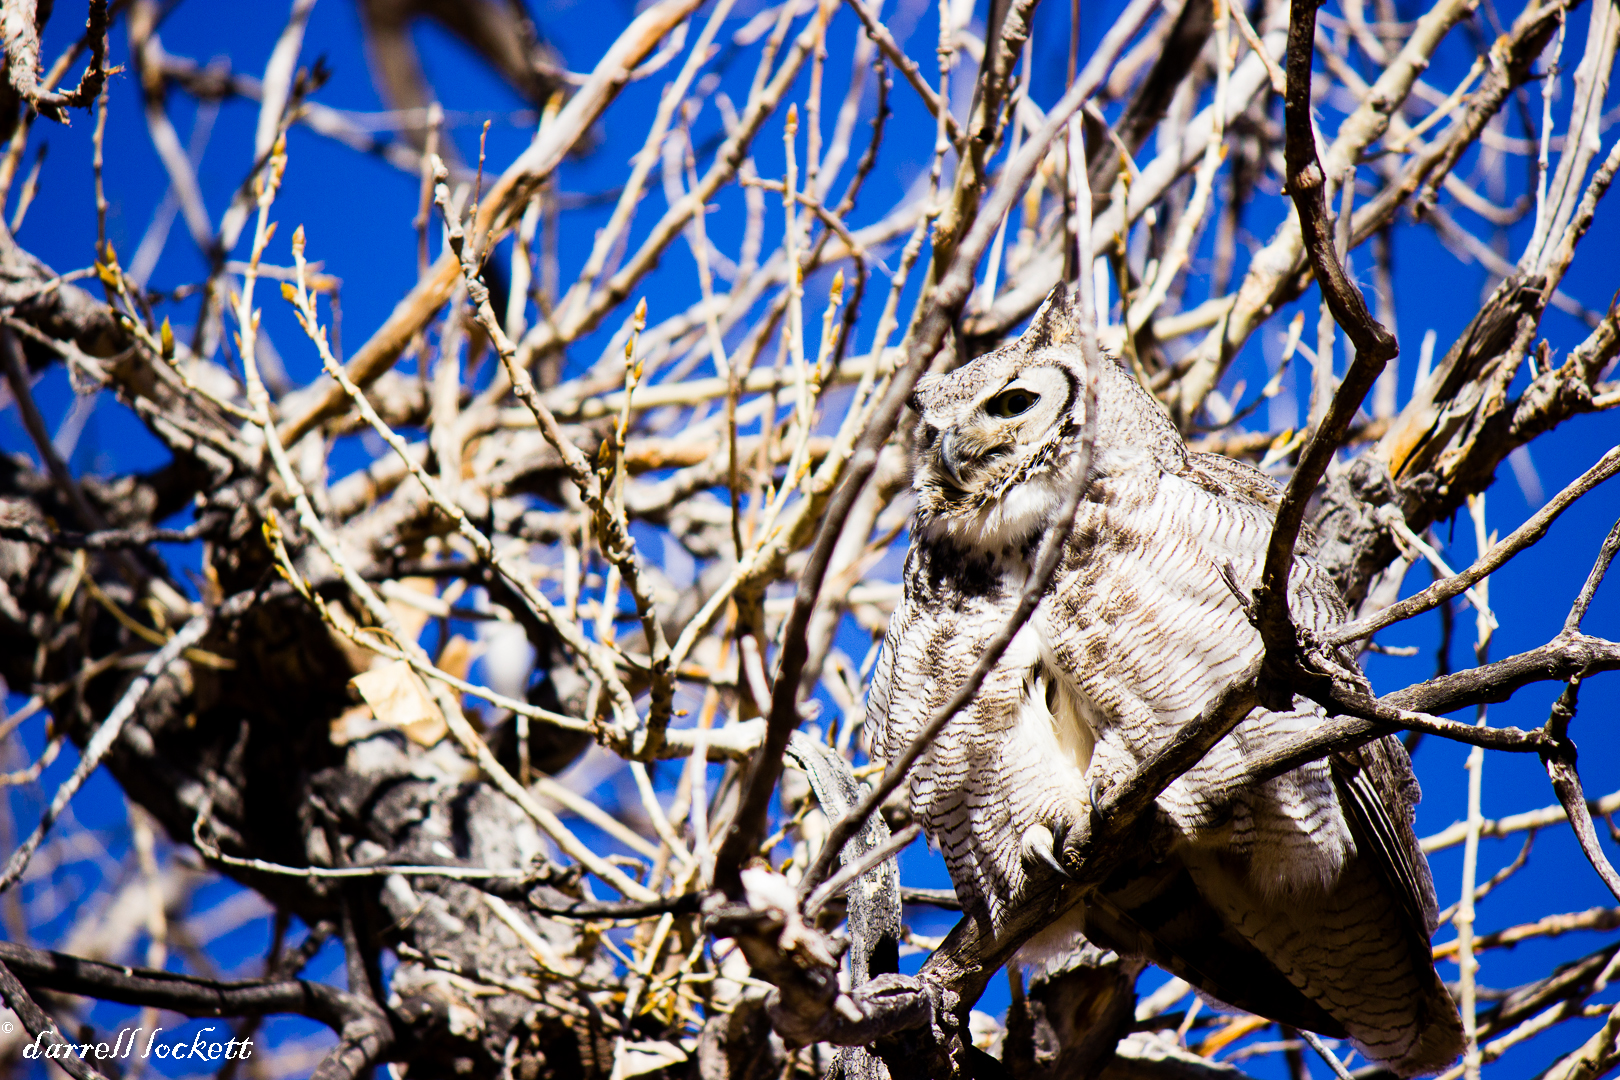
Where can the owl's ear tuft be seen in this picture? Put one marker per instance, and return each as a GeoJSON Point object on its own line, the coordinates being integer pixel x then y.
{"type": "Point", "coordinates": [1055, 322]}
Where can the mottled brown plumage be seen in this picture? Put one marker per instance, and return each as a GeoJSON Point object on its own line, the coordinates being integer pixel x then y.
{"type": "Point", "coordinates": [1306, 898]}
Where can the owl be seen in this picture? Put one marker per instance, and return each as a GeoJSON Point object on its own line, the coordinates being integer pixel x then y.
{"type": "Point", "coordinates": [1305, 898]}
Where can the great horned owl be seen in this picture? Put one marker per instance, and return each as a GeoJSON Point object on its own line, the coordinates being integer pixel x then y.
{"type": "Point", "coordinates": [1305, 899]}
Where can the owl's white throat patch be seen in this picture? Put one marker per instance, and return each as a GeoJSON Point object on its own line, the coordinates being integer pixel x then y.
{"type": "Point", "coordinates": [1007, 521]}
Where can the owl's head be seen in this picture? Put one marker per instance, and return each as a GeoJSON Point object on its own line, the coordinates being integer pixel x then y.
{"type": "Point", "coordinates": [997, 436]}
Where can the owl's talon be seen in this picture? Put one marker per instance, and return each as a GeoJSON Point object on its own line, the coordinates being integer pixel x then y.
{"type": "Point", "coordinates": [1040, 846]}
{"type": "Point", "coordinates": [1099, 788]}
{"type": "Point", "coordinates": [1060, 834]}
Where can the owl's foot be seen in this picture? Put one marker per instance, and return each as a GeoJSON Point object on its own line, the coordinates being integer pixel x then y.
{"type": "Point", "coordinates": [1058, 843]}
{"type": "Point", "coordinates": [1042, 845]}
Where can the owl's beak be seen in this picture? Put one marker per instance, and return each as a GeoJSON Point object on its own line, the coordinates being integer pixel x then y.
{"type": "Point", "coordinates": [948, 458]}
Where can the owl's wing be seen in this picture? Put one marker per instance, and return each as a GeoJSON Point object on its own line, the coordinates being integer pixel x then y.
{"type": "Point", "coordinates": [1375, 784]}
{"type": "Point", "coordinates": [1315, 875]}
{"type": "Point", "coordinates": [1378, 794]}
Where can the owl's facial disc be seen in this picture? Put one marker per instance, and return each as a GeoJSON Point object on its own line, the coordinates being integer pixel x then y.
{"type": "Point", "coordinates": [989, 455]}
{"type": "Point", "coordinates": [997, 430]}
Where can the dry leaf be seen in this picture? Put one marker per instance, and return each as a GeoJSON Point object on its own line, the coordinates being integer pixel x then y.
{"type": "Point", "coordinates": [399, 700]}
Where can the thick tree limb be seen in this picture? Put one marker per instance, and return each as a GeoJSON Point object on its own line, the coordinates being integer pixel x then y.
{"type": "Point", "coordinates": [106, 540]}
{"type": "Point", "coordinates": [1560, 659]}
{"type": "Point", "coordinates": [22, 51]}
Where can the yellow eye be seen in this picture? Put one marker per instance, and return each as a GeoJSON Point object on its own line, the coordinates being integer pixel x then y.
{"type": "Point", "coordinates": [1011, 402]}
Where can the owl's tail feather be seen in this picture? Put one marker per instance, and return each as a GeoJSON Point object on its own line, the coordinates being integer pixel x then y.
{"type": "Point", "coordinates": [1157, 911]}
{"type": "Point", "coordinates": [1346, 963]}
{"type": "Point", "coordinates": [1388, 852]}
{"type": "Point", "coordinates": [1353, 952]}
{"type": "Point", "coordinates": [1440, 1042]}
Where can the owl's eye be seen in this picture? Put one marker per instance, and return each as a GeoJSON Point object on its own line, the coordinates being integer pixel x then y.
{"type": "Point", "coordinates": [1011, 403]}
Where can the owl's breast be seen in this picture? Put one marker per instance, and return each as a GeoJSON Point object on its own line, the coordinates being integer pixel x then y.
{"type": "Point", "coordinates": [1141, 620]}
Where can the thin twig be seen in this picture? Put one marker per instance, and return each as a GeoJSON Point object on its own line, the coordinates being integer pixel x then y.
{"type": "Point", "coordinates": [913, 74]}
{"type": "Point", "coordinates": [102, 741]}
{"type": "Point", "coordinates": [946, 301]}
{"type": "Point", "coordinates": [1606, 553]}
{"type": "Point", "coordinates": [1506, 826]}
{"type": "Point", "coordinates": [1315, 1042]}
